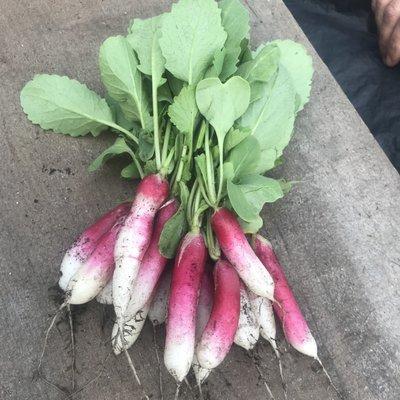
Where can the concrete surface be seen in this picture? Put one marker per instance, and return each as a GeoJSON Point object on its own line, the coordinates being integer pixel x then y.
{"type": "Point", "coordinates": [337, 233]}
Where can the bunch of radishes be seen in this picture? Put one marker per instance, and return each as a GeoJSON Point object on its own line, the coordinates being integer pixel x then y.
{"type": "Point", "coordinates": [202, 117]}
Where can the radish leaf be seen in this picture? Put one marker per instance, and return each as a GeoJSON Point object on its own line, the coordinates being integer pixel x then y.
{"type": "Point", "coordinates": [144, 38]}
{"type": "Point", "coordinates": [172, 233]}
{"type": "Point", "coordinates": [130, 172]}
{"type": "Point", "coordinates": [119, 147]}
{"type": "Point", "coordinates": [191, 34]}
{"type": "Point", "coordinates": [235, 21]}
{"type": "Point", "coordinates": [298, 63]}
{"type": "Point", "coordinates": [271, 118]}
{"type": "Point", "coordinates": [123, 80]}
{"type": "Point", "coordinates": [183, 111]}
{"type": "Point", "coordinates": [248, 196]}
{"type": "Point", "coordinates": [65, 106]}
{"type": "Point", "coordinates": [245, 157]}
{"type": "Point", "coordinates": [222, 103]}
{"type": "Point", "coordinates": [234, 137]}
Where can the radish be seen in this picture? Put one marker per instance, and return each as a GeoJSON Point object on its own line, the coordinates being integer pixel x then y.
{"type": "Point", "coordinates": [134, 238]}
{"type": "Point", "coordinates": [84, 245]}
{"type": "Point", "coordinates": [239, 253]}
{"type": "Point", "coordinates": [248, 330]}
{"type": "Point", "coordinates": [220, 330]}
{"type": "Point", "coordinates": [203, 315]}
{"type": "Point", "coordinates": [153, 262]}
{"type": "Point", "coordinates": [294, 325]}
{"type": "Point", "coordinates": [96, 271]}
{"type": "Point", "coordinates": [182, 307]}
{"type": "Point", "coordinates": [158, 308]}
{"type": "Point", "coordinates": [105, 296]}
{"type": "Point", "coordinates": [131, 332]}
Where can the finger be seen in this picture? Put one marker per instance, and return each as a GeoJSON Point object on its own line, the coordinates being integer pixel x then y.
{"type": "Point", "coordinates": [379, 8]}
{"type": "Point", "coordinates": [390, 16]}
{"type": "Point", "coordinates": [392, 57]}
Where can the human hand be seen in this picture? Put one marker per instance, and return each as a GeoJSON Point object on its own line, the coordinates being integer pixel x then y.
{"type": "Point", "coordinates": [387, 16]}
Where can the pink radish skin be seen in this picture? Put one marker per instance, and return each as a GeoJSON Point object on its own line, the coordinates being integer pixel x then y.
{"type": "Point", "coordinates": [239, 253]}
{"type": "Point", "coordinates": [248, 330]}
{"type": "Point", "coordinates": [203, 315]}
{"type": "Point", "coordinates": [220, 330]}
{"type": "Point", "coordinates": [182, 307]}
{"type": "Point", "coordinates": [134, 238]}
{"type": "Point", "coordinates": [153, 263]}
{"type": "Point", "coordinates": [159, 305]}
{"type": "Point", "coordinates": [294, 324]}
{"type": "Point", "coordinates": [97, 270]}
{"type": "Point", "coordinates": [84, 245]}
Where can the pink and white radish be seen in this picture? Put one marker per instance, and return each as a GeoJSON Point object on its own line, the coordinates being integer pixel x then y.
{"type": "Point", "coordinates": [131, 332]}
{"type": "Point", "coordinates": [96, 271]}
{"type": "Point", "coordinates": [84, 245]}
{"type": "Point", "coordinates": [134, 238]}
{"type": "Point", "coordinates": [239, 253]}
{"type": "Point", "coordinates": [159, 305]}
{"type": "Point", "coordinates": [153, 263]}
{"type": "Point", "coordinates": [218, 335]}
{"type": "Point", "coordinates": [294, 324]}
{"type": "Point", "coordinates": [182, 306]}
{"type": "Point", "coordinates": [105, 296]}
{"type": "Point", "coordinates": [203, 315]}
{"type": "Point", "coordinates": [248, 330]}
{"type": "Point", "coordinates": [295, 327]}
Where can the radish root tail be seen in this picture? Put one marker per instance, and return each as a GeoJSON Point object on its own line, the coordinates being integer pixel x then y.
{"type": "Point", "coordinates": [46, 338]}
{"type": "Point", "coordinates": [132, 366]}
{"type": "Point", "coordinates": [160, 381]}
{"type": "Point", "coordinates": [265, 382]}
{"type": "Point", "coordinates": [178, 386]}
{"type": "Point", "coordinates": [329, 378]}
{"type": "Point", "coordinates": [278, 357]}
{"type": "Point", "coordinates": [73, 361]}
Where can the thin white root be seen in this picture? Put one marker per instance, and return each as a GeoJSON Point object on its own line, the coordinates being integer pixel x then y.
{"type": "Point", "coordinates": [329, 378]}
{"type": "Point", "coordinates": [160, 381]}
{"type": "Point", "coordinates": [178, 386]}
{"type": "Point", "coordinates": [265, 382]}
{"type": "Point", "coordinates": [132, 366]}
{"type": "Point", "coordinates": [278, 357]}
{"type": "Point", "coordinates": [46, 338]}
{"type": "Point", "coordinates": [71, 326]}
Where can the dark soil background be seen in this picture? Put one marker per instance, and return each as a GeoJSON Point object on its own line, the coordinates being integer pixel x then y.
{"type": "Point", "coordinates": [344, 34]}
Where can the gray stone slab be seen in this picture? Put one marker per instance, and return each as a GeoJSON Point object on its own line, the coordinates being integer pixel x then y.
{"type": "Point", "coordinates": [337, 233]}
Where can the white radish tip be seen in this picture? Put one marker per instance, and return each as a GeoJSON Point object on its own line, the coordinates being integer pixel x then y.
{"type": "Point", "coordinates": [308, 347]}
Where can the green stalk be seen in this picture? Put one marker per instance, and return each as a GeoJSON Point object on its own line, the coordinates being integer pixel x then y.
{"type": "Point", "coordinates": [210, 168]}
{"type": "Point", "coordinates": [128, 134]}
{"type": "Point", "coordinates": [221, 169]}
{"type": "Point", "coordinates": [178, 175]}
{"type": "Point", "coordinates": [166, 142]}
{"type": "Point", "coordinates": [155, 122]}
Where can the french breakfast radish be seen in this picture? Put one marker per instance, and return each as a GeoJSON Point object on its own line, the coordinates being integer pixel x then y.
{"type": "Point", "coordinates": [203, 315]}
{"type": "Point", "coordinates": [134, 238]}
{"type": "Point", "coordinates": [248, 330]}
{"type": "Point", "coordinates": [84, 245]}
{"type": "Point", "coordinates": [159, 305]}
{"type": "Point", "coordinates": [182, 306]}
{"type": "Point", "coordinates": [218, 335]}
{"type": "Point", "coordinates": [96, 271]}
{"type": "Point", "coordinates": [153, 262]}
{"type": "Point", "coordinates": [294, 325]}
{"type": "Point", "coordinates": [239, 253]}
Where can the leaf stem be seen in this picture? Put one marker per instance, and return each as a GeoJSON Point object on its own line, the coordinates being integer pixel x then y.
{"type": "Point", "coordinates": [155, 122]}
{"type": "Point", "coordinates": [221, 169]}
{"type": "Point", "coordinates": [128, 134]}
{"type": "Point", "coordinates": [178, 175]}
{"type": "Point", "coordinates": [166, 142]}
{"type": "Point", "coordinates": [210, 167]}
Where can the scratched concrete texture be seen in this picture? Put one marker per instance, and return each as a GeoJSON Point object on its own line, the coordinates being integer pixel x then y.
{"type": "Point", "coordinates": [336, 233]}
